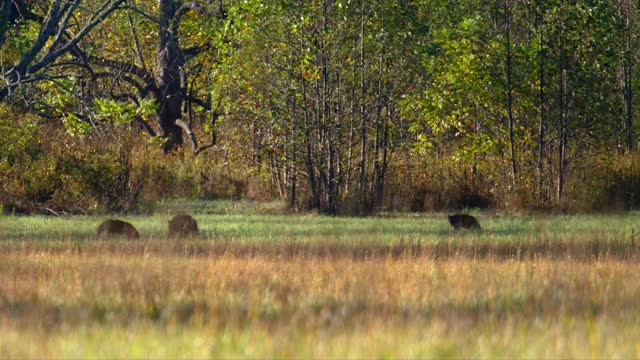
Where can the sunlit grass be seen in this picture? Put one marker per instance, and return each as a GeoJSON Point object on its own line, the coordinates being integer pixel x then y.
{"type": "Point", "coordinates": [562, 338]}
{"type": "Point", "coordinates": [261, 227]}
{"type": "Point", "coordinates": [310, 286]}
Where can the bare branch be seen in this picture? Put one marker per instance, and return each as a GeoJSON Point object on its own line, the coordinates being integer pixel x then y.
{"type": "Point", "coordinates": [193, 51]}
{"type": "Point", "coordinates": [206, 104]}
{"type": "Point", "coordinates": [54, 26]}
{"type": "Point", "coordinates": [187, 129]}
{"type": "Point", "coordinates": [68, 9]}
{"type": "Point", "coordinates": [204, 147]}
{"type": "Point", "coordinates": [143, 74]}
{"type": "Point", "coordinates": [46, 31]}
{"type": "Point", "coordinates": [96, 18]}
{"type": "Point", "coordinates": [142, 13]}
{"type": "Point", "coordinates": [189, 6]}
{"type": "Point", "coordinates": [145, 125]}
{"type": "Point", "coordinates": [134, 34]}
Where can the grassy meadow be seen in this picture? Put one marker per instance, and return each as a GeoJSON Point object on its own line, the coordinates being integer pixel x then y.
{"type": "Point", "coordinates": [259, 284]}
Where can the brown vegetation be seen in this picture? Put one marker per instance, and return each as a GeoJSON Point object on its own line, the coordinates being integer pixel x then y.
{"type": "Point", "coordinates": [314, 286]}
{"type": "Point", "coordinates": [119, 171]}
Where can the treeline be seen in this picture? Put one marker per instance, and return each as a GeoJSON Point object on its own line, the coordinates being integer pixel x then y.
{"type": "Point", "coordinates": [339, 106]}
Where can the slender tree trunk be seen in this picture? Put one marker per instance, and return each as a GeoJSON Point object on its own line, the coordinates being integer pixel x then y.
{"type": "Point", "coordinates": [315, 193]}
{"type": "Point", "coordinates": [628, 99]}
{"type": "Point", "coordinates": [628, 67]}
{"type": "Point", "coordinates": [562, 147]}
{"type": "Point", "coordinates": [541, 104]}
{"type": "Point", "coordinates": [338, 138]}
{"type": "Point", "coordinates": [327, 120]}
{"type": "Point", "coordinates": [507, 10]}
{"type": "Point", "coordinates": [353, 120]}
{"type": "Point", "coordinates": [363, 116]}
{"type": "Point", "coordinates": [321, 132]}
{"type": "Point", "coordinates": [276, 169]}
{"type": "Point", "coordinates": [293, 171]}
{"type": "Point", "coordinates": [377, 163]}
{"type": "Point", "coordinates": [136, 41]}
{"type": "Point", "coordinates": [385, 157]}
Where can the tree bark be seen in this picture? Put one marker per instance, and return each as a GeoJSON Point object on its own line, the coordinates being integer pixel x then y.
{"type": "Point", "coordinates": [5, 15]}
{"type": "Point", "coordinates": [627, 88]}
{"type": "Point", "coordinates": [507, 10]}
{"type": "Point", "coordinates": [315, 193]}
{"type": "Point", "coordinates": [541, 105]}
{"type": "Point", "coordinates": [170, 63]}
{"type": "Point", "coordinates": [562, 147]}
{"type": "Point", "coordinates": [363, 117]}
{"type": "Point", "coordinates": [353, 119]}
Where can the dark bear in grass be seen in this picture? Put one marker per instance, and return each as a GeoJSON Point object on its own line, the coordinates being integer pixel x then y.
{"type": "Point", "coordinates": [183, 225]}
{"type": "Point", "coordinates": [112, 227]}
{"type": "Point", "coordinates": [463, 221]}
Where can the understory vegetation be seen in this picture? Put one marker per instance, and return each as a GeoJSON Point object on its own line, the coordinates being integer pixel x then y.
{"type": "Point", "coordinates": [259, 285]}
{"type": "Point", "coordinates": [116, 171]}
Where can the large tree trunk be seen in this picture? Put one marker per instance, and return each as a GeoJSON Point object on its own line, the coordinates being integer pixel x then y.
{"type": "Point", "coordinates": [170, 62]}
{"type": "Point", "coordinates": [5, 15]}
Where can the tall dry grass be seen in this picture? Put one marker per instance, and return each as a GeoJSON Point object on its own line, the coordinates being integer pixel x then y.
{"type": "Point", "coordinates": [555, 293]}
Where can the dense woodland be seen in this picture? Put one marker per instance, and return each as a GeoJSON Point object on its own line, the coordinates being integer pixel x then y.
{"type": "Point", "coordinates": [338, 106]}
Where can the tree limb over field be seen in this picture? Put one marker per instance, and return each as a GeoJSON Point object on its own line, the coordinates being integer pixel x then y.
{"type": "Point", "coordinates": [55, 37]}
{"type": "Point", "coordinates": [58, 45]}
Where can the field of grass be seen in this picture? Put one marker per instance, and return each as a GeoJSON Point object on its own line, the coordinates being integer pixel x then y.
{"type": "Point", "coordinates": [257, 284]}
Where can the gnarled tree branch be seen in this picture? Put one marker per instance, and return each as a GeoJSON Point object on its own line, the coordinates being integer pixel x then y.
{"type": "Point", "coordinates": [53, 40]}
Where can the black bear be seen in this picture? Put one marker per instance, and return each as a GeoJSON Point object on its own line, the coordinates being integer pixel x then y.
{"type": "Point", "coordinates": [117, 228]}
{"type": "Point", "coordinates": [463, 221]}
{"type": "Point", "coordinates": [183, 225]}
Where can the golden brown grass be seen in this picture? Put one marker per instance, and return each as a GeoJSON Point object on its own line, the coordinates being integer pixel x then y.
{"type": "Point", "coordinates": [544, 294]}
{"type": "Point", "coordinates": [405, 305]}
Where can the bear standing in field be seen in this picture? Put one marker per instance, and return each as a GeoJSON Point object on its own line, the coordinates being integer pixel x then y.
{"type": "Point", "coordinates": [463, 221]}
{"type": "Point", "coordinates": [112, 227]}
{"type": "Point", "coordinates": [183, 225]}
